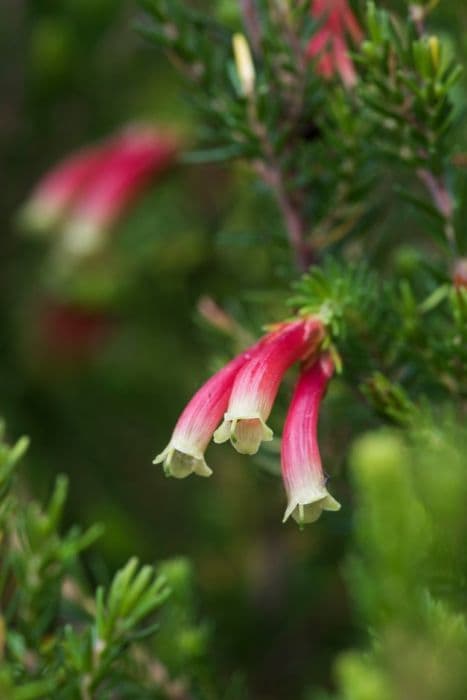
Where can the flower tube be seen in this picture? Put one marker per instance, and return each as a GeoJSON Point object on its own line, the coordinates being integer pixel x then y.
{"type": "Point", "coordinates": [184, 454]}
{"type": "Point", "coordinates": [141, 154]}
{"type": "Point", "coordinates": [257, 383]}
{"type": "Point", "coordinates": [302, 473]}
{"type": "Point", "coordinates": [59, 188]}
{"type": "Point", "coordinates": [329, 43]}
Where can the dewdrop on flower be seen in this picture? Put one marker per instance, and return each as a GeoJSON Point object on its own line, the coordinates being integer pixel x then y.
{"type": "Point", "coordinates": [244, 64]}
{"type": "Point", "coordinates": [257, 383]}
{"type": "Point", "coordinates": [302, 472]}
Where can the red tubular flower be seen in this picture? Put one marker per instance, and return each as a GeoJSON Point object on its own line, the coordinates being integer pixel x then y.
{"type": "Point", "coordinates": [257, 383]}
{"type": "Point", "coordinates": [184, 454]}
{"type": "Point", "coordinates": [329, 45]}
{"type": "Point", "coordinates": [141, 154]}
{"type": "Point", "coordinates": [59, 188]}
{"type": "Point", "coordinates": [303, 476]}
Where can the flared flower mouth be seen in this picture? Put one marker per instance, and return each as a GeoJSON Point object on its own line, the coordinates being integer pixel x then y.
{"type": "Point", "coordinates": [39, 215]}
{"type": "Point", "coordinates": [82, 238]}
{"type": "Point", "coordinates": [246, 433]}
{"type": "Point", "coordinates": [180, 464]}
{"type": "Point", "coordinates": [307, 508]}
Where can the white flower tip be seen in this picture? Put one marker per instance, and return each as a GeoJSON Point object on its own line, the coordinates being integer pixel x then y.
{"type": "Point", "coordinates": [37, 217]}
{"type": "Point", "coordinates": [308, 511]}
{"type": "Point", "coordinates": [82, 238]}
{"type": "Point", "coordinates": [181, 464]}
{"type": "Point", "coordinates": [245, 434]}
{"type": "Point", "coordinates": [222, 434]}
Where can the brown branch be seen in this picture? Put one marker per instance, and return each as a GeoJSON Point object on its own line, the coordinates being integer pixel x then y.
{"type": "Point", "coordinates": [252, 23]}
{"type": "Point", "coordinates": [296, 228]}
{"type": "Point", "coordinates": [268, 167]}
{"type": "Point", "coordinates": [271, 173]}
{"type": "Point", "coordinates": [418, 16]}
{"type": "Point", "coordinates": [435, 185]}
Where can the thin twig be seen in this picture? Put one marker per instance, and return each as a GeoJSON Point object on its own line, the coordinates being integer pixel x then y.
{"type": "Point", "coordinates": [272, 175]}
{"type": "Point", "coordinates": [268, 167]}
{"type": "Point", "coordinates": [435, 184]}
{"type": "Point", "coordinates": [418, 14]}
{"type": "Point", "coordinates": [252, 23]}
{"type": "Point", "coordinates": [442, 200]}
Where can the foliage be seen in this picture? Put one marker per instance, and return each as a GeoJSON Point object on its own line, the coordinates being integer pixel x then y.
{"type": "Point", "coordinates": [408, 571]}
{"type": "Point", "coordinates": [294, 195]}
{"type": "Point", "coordinates": [58, 641]}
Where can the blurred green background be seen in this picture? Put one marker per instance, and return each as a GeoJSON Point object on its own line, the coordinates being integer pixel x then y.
{"type": "Point", "coordinates": [72, 72]}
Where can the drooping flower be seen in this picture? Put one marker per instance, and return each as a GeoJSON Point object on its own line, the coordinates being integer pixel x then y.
{"type": "Point", "coordinates": [257, 383]}
{"type": "Point", "coordinates": [302, 472]}
{"type": "Point", "coordinates": [329, 44]}
{"type": "Point", "coordinates": [184, 454]}
{"type": "Point", "coordinates": [59, 188]}
{"type": "Point", "coordinates": [142, 154]}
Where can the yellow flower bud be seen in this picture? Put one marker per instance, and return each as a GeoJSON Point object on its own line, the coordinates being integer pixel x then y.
{"type": "Point", "coordinates": [244, 64]}
{"type": "Point", "coordinates": [435, 51]}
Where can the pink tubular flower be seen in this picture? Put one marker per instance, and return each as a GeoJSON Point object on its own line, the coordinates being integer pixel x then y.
{"type": "Point", "coordinates": [329, 42]}
{"type": "Point", "coordinates": [257, 383]}
{"type": "Point", "coordinates": [141, 154]}
{"type": "Point", "coordinates": [303, 476]}
{"type": "Point", "coordinates": [193, 432]}
{"type": "Point", "coordinates": [69, 332]}
{"type": "Point", "coordinates": [59, 188]}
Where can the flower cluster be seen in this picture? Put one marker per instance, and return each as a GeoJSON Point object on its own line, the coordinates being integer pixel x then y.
{"type": "Point", "coordinates": [88, 192]}
{"type": "Point", "coordinates": [241, 396]}
{"type": "Point", "coordinates": [329, 44]}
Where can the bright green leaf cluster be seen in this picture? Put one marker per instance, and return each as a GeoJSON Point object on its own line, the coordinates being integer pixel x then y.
{"type": "Point", "coordinates": [408, 573]}
{"type": "Point", "coordinates": [58, 641]}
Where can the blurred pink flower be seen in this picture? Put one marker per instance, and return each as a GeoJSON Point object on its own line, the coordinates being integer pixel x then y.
{"type": "Point", "coordinates": [142, 153]}
{"type": "Point", "coordinates": [257, 383]}
{"type": "Point", "coordinates": [329, 44]}
{"type": "Point", "coordinates": [89, 191]}
{"type": "Point", "coordinates": [59, 187]}
{"type": "Point", "coordinates": [301, 462]}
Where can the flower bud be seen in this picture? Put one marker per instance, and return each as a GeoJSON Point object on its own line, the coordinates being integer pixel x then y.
{"type": "Point", "coordinates": [244, 64]}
